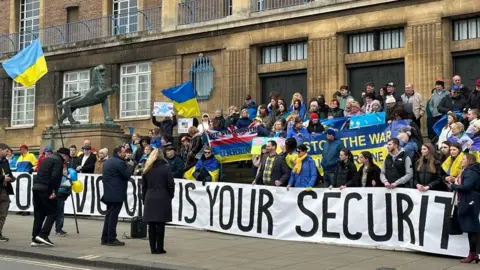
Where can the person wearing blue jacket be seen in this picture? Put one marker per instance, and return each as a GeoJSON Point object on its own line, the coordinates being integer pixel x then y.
{"type": "Point", "coordinates": [244, 121]}
{"type": "Point", "coordinates": [64, 192]}
{"type": "Point", "coordinates": [330, 155]}
{"type": "Point", "coordinates": [251, 106]}
{"type": "Point", "coordinates": [304, 173]}
{"type": "Point", "coordinates": [300, 107]}
{"type": "Point", "coordinates": [299, 132]}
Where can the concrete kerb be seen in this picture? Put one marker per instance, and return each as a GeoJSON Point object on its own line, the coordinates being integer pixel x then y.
{"type": "Point", "coordinates": [68, 257]}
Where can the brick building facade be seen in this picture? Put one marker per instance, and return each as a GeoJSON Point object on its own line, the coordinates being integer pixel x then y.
{"type": "Point", "coordinates": [252, 46]}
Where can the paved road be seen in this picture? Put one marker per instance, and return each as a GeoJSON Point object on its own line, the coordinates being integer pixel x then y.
{"type": "Point", "coordinates": [13, 263]}
{"type": "Point", "coordinates": [207, 250]}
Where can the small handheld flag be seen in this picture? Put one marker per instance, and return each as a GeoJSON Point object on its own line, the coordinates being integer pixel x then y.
{"type": "Point", "coordinates": [27, 66]}
{"type": "Point", "coordinates": [184, 100]}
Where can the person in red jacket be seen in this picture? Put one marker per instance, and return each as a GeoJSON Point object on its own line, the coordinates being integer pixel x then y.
{"type": "Point", "coordinates": [47, 151]}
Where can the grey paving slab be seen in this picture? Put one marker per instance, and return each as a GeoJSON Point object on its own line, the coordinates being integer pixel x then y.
{"type": "Point", "coordinates": [195, 249]}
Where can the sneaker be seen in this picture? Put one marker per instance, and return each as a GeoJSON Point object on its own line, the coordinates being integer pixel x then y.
{"type": "Point", "coordinates": [3, 238]}
{"type": "Point", "coordinates": [116, 243]}
{"type": "Point", "coordinates": [45, 240]}
{"type": "Point", "coordinates": [61, 233]}
{"type": "Point", "coordinates": [36, 243]}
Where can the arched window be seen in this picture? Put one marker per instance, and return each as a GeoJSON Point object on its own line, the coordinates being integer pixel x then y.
{"type": "Point", "coordinates": [201, 75]}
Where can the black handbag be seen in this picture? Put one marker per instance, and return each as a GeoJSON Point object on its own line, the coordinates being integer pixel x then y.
{"type": "Point", "coordinates": [138, 228]}
{"type": "Point", "coordinates": [453, 225]}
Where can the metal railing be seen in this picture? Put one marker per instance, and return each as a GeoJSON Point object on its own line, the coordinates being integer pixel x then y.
{"type": "Point", "coordinates": [193, 11]}
{"type": "Point", "coordinates": [261, 5]}
{"type": "Point", "coordinates": [117, 24]}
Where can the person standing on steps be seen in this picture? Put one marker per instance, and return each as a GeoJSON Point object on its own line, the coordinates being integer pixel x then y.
{"type": "Point", "coordinates": [158, 190]}
{"type": "Point", "coordinates": [45, 191]}
{"type": "Point", "coordinates": [6, 189]}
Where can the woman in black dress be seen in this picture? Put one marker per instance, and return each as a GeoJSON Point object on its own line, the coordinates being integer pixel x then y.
{"type": "Point", "coordinates": [158, 189]}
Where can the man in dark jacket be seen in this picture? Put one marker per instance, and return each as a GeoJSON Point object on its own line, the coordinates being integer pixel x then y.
{"type": "Point", "coordinates": [397, 168]}
{"type": "Point", "coordinates": [116, 174]}
{"type": "Point", "coordinates": [474, 98]}
{"type": "Point", "coordinates": [73, 163]}
{"type": "Point", "coordinates": [45, 190]}
{"type": "Point", "coordinates": [87, 160]}
{"type": "Point", "coordinates": [273, 170]}
{"type": "Point", "coordinates": [6, 179]}
{"type": "Point", "coordinates": [166, 126]}
{"type": "Point", "coordinates": [175, 162]}
{"type": "Point", "coordinates": [453, 102]}
{"type": "Point", "coordinates": [330, 155]}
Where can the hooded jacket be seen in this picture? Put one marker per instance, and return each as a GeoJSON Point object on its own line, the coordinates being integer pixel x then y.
{"type": "Point", "coordinates": [307, 176]}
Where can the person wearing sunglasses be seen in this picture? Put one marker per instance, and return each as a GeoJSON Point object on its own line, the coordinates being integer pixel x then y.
{"type": "Point", "coordinates": [207, 168]}
{"type": "Point", "coordinates": [304, 173]}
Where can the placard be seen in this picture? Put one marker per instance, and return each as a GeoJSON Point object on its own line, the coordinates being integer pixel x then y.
{"type": "Point", "coordinates": [162, 109]}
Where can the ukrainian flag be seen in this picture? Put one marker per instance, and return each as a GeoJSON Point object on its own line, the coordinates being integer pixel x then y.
{"type": "Point", "coordinates": [184, 99]}
{"type": "Point", "coordinates": [28, 66]}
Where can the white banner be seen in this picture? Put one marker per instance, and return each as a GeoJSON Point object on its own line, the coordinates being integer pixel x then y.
{"type": "Point", "coordinates": [402, 219]}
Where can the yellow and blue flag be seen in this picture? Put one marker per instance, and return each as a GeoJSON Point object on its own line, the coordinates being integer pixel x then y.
{"type": "Point", "coordinates": [28, 66]}
{"type": "Point", "coordinates": [184, 99]}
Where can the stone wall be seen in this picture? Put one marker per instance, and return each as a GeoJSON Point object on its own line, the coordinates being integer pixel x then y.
{"type": "Point", "coordinates": [235, 55]}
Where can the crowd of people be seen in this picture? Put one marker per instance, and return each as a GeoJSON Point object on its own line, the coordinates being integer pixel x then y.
{"type": "Point", "coordinates": [447, 162]}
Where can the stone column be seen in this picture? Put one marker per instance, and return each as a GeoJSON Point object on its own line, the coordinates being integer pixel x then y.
{"type": "Point", "coordinates": [424, 58]}
{"type": "Point", "coordinates": [241, 9]}
{"type": "Point", "coordinates": [322, 67]}
{"type": "Point", "coordinates": [169, 15]}
{"type": "Point", "coordinates": [238, 74]}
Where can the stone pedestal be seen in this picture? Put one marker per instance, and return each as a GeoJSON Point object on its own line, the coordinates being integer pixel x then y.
{"type": "Point", "coordinates": [101, 135]}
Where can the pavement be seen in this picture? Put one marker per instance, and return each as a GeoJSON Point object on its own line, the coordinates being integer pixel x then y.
{"type": "Point", "coordinates": [13, 263]}
{"type": "Point", "coordinates": [197, 249]}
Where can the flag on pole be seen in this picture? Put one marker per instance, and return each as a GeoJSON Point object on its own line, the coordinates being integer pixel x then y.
{"type": "Point", "coordinates": [184, 99]}
{"type": "Point", "coordinates": [27, 66]}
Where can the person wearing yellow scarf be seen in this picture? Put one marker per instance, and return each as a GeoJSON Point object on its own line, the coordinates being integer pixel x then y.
{"type": "Point", "coordinates": [453, 164]}
{"type": "Point", "coordinates": [304, 173]}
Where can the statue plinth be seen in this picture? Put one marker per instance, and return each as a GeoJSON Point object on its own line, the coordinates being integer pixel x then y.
{"type": "Point", "coordinates": [102, 135]}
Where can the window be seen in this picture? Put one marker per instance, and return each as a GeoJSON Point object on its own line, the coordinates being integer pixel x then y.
{"type": "Point", "coordinates": [272, 54]}
{"type": "Point", "coordinates": [29, 20]}
{"type": "Point", "coordinates": [135, 90]}
{"type": "Point", "coordinates": [201, 74]}
{"type": "Point", "coordinates": [77, 81]}
{"type": "Point", "coordinates": [125, 16]}
{"type": "Point", "coordinates": [466, 29]}
{"type": "Point", "coordinates": [23, 105]}
{"type": "Point", "coordinates": [284, 52]}
{"type": "Point", "coordinates": [377, 40]}
{"type": "Point", "coordinates": [297, 51]}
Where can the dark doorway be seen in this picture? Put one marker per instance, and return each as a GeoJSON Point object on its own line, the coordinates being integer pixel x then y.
{"type": "Point", "coordinates": [284, 83]}
{"type": "Point", "coordinates": [380, 73]}
{"type": "Point", "coordinates": [467, 65]}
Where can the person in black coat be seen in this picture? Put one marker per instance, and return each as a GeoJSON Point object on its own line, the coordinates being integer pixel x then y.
{"type": "Point", "coordinates": [468, 188]}
{"type": "Point", "coordinates": [175, 162]}
{"type": "Point", "coordinates": [158, 190]}
{"type": "Point", "coordinates": [279, 170]}
{"type": "Point", "coordinates": [453, 102]}
{"type": "Point", "coordinates": [45, 190]}
{"type": "Point", "coordinates": [369, 172]}
{"type": "Point", "coordinates": [116, 174]}
{"type": "Point", "coordinates": [6, 189]}
{"type": "Point", "coordinates": [166, 126]}
{"type": "Point", "coordinates": [87, 160]}
{"type": "Point", "coordinates": [429, 170]}
{"type": "Point", "coordinates": [314, 125]}
{"type": "Point", "coordinates": [346, 174]}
